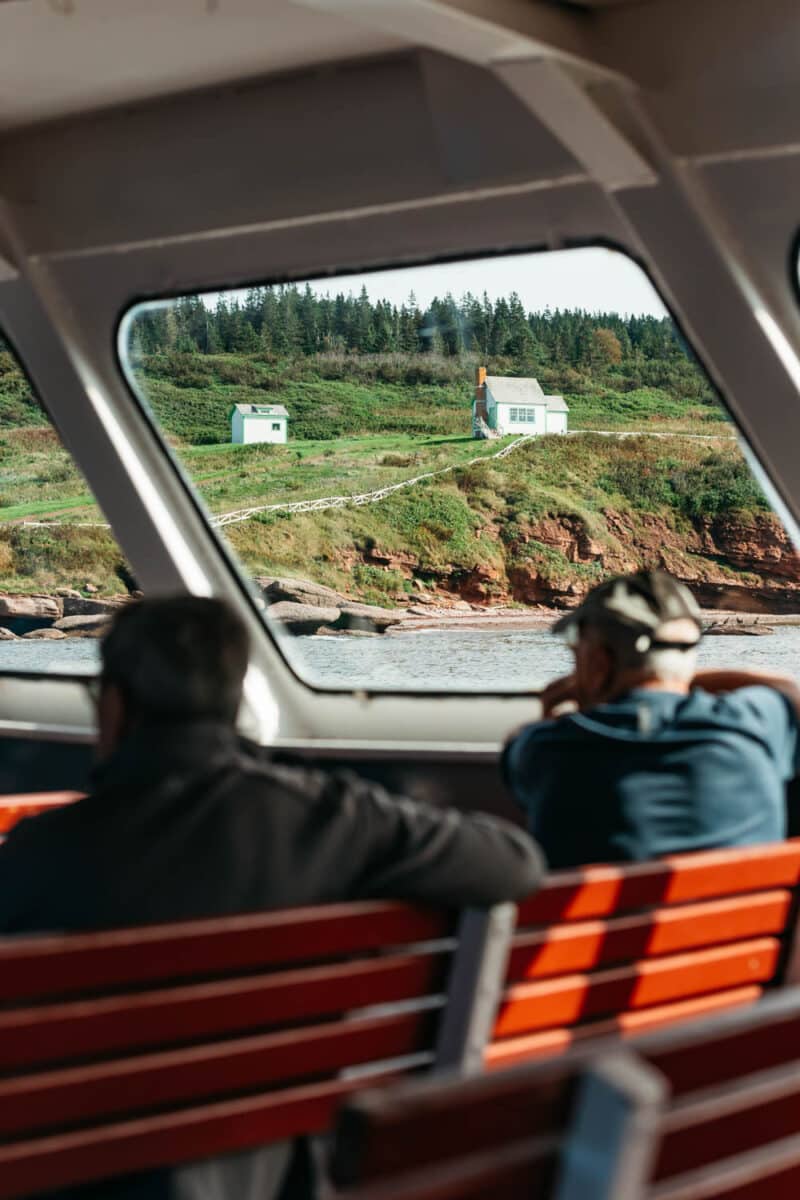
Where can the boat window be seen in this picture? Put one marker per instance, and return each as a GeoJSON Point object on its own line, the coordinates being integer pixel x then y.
{"type": "Point", "coordinates": [61, 570]}
{"type": "Point", "coordinates": [403, 523]}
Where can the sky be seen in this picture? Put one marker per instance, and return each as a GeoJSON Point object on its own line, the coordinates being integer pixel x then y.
{"type": "Point", "coordinates": [593, 279]}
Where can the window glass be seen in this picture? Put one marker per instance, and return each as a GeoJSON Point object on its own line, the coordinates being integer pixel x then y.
{"type": "Point", "coordinates": [401, 525]}
{"type": "Point", "coordinates": [61, 571]}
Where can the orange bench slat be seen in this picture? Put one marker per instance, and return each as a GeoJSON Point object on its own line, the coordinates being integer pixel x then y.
{"type": "Point", "coordinates": [563, 949]}
{"type": "Point", "coordinates": [605, 890]}
{"type": "Point", "coordinates": [14, 807]}
{"type": "Point", "coordinates": [530, 1006]}
{"type": "Point", "coordinates": [514, 1051]}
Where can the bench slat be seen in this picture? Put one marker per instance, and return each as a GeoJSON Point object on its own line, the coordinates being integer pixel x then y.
{"type": "Point", "coordinates": [523, 1169]}
{"type": "Point", "coordinates": [740, 1043]}
{"type": "Point", "coordinates": [583, 946]}
{"type": "Point", "coordinates": [60, 1099]}
{"type": "Point", "coordinates": [430, 1127]}
{"type": "Point", "coordinates": [179, 1016]}
{"type": "Point", "coordinates": [54, 1161]}
{"type": "Point", "coordinates": [770, 1173]}
{"type": "Point", "coordinates": [532, 1006]}
{"type": "Point", "coordinates": [603, 891]}
{"type": "Point", "coordinates": [15, 806]}
{"type": "Point", "coordinates": [516, 1050]}
{"type": "Point", "coordinates": [36, 967]}
{"type": "Point", "coordinates": [753, 1112]}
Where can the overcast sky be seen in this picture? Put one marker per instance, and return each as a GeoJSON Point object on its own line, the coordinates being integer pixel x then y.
{"type": "Point", "coordinates": [593, 279]}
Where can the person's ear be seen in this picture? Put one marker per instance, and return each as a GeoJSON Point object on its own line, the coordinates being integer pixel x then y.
{"type": "Point", "coordinates": [600, 674]}
{"type": "Point", "coordinates": [112, 720]}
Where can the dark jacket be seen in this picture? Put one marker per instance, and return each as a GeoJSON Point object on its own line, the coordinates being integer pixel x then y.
{"type": "Point", "coordinates": [187, 821]}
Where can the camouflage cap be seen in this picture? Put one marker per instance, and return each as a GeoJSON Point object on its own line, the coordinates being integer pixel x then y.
{"type": "Point", "coordinates": [642, 603]}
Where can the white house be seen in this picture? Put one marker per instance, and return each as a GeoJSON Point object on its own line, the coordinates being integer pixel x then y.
{"type": "Point", "coordinates": [259, 423]}
{"type": "Point", "coordinates": [505, 405]}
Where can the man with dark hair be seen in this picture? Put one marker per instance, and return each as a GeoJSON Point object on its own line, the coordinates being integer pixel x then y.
{"type": "Point", "coordinates": [659, 757]}
{"type": "Point", "coordinates": [186, 820]}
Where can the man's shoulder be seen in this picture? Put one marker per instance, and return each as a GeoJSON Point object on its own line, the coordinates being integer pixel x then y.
{"type": "Point", "coordinates": [749, 706]}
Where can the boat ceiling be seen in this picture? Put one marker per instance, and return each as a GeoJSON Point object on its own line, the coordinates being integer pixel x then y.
{"type": "Point", "coordinates": [60, 57]}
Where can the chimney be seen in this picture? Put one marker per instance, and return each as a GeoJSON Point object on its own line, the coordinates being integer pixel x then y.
{"type": "Point", "coordinates": [480, 394]}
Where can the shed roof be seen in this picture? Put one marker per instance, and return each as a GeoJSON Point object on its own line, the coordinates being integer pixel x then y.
{"type": "Point", "coordinates": [261, 410]}
{"type": "Point", "coordinates": [507, 389]}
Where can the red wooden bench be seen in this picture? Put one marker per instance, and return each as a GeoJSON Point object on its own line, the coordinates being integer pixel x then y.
{"type": "Point", "coordinates": [29, 804]}
{"type": "Point", "coordinates": [705, 1111]}
{"type": "Point", "coordinates": [138, 1048]}
{"type": "Point", "coordinates": [622, 949]}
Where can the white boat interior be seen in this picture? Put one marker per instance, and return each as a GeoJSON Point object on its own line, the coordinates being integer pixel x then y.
{"type": "Point", "coordinates": [151, 148]}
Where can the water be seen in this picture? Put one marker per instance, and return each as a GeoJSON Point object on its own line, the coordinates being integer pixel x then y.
{"type": "Point", "coordinates": [432, 660]}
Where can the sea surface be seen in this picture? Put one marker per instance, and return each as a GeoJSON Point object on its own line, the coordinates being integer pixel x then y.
{"type": "Point", "coordinates": [431, 660]}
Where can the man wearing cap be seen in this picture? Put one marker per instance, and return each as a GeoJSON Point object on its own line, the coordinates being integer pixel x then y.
{"type": "Point", "coordinates": [655, 757]}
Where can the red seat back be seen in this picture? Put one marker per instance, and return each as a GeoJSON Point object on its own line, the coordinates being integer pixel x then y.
{"type": "Point", "coordinates": [622, 949]}
{"type": "Point", "coordinates": [145, 1047]}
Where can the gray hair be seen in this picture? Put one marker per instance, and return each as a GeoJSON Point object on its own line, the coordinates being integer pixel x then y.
{"type": "Point", "coordinates": [663, 663]}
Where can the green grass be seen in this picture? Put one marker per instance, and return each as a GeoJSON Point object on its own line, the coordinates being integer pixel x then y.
{"type": "Point", "coordinates": [359, 425]}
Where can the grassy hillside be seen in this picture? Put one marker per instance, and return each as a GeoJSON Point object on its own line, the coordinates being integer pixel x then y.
{"type": "Point", "coordinates": [561, 510]}
{"type": "Point", "coordinates": [331, 396]}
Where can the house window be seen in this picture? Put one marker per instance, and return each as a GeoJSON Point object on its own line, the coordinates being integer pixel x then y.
{"type": "Point", "coordinates": [276, 426]}
{"type": "Point", "coordinates": [531, 415]}
{"type": "Point", "coordinates": [513, 415]}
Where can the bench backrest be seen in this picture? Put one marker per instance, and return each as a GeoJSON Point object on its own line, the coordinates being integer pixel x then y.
{"type": "Point", "coordinates": [29, 804]}
{"type": "Point", "coordinates": [145, 1047]}
{"type": "Point", "coordinates": [707, 1111]}
{"type": "Point", "coordinates": [623, 949]}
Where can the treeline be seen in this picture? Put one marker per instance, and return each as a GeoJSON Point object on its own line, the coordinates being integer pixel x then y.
{"type": "Point", "coordinates": [286, 321]}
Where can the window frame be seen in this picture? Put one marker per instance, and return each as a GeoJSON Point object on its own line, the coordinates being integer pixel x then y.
{"type": "Point", "coordinates": [272, 631]}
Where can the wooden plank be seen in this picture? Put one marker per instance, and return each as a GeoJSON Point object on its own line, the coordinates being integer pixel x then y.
{"type": "Point", "coordinates": [180, 1016]}
{"type": "Point", "coordinates": [746, 1114]}
{"type": "Point", "coordinates": [525, 1169]}
{"type": "Point", "coordinates": [58, 1160]}
{"type": "Point", "coordinates": [563, 949]}
{"type": "Point", "coordinates": [738, 1043]}
{"type": "Point", "coordinates": [605, 890]}
{"type": "Point", "coordinates": [530, 1006]}
{"type": "Point", "coordinates": [124, 1087]}
{"type": "Point", "coordinates": [15, 806]}
{"type": "Point", "coordinates": [380, 1133]}
{"type": "Point", "coordinates": [769, 1173]}
{"type": "Point", "coordinates": [81, 963]}
{"type": "Point", "coordinates": [516, 1050]}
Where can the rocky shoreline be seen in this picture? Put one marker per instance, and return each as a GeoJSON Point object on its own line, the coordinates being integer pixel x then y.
{"type": "Point", "coordinates": [306, 608]}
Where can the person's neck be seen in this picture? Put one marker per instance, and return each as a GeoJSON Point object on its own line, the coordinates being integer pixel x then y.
{"type": "Point", "coordinates": [635, 683]}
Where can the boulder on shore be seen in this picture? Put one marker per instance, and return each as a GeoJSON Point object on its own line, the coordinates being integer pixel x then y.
{"type": "Point", "coordinates": [299, 591]}
{"type": "Point", "coordinates": [7, 635]}
{"type": "Point", "coordinates": [45, 635]}
{"type": "Point", "coordinates": [368, 618]}
{"type": "Point", "coordinates": [47, 608]}
{"type": "Point", "coordinates": [738, 629]}
{"type": "Point", "coordinates": [80, 606]}
{"type": "Point", "coordinates": [93, 625]}
{"type": "Point", "coordinates": [302, 618]}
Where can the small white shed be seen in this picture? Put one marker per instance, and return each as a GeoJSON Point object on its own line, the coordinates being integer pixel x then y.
{"type": "Point", "coordinates": [259, 423]}
{"type": "Point", "coordinates": [508, 405]}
